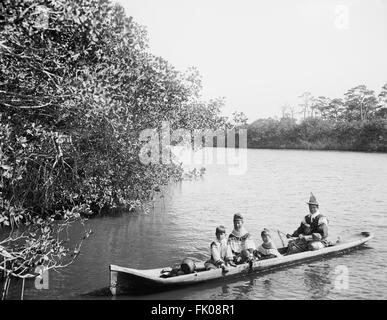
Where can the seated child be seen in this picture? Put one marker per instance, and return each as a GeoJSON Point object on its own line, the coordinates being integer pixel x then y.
{"type": "Point", "coordinates": [267, 249]}
{"type": "Point", "coordinates": [221, 254]}
{"type": "Point", "coordinates": [240, 241]}
{"type": "Point", "coordinates": [299, 244]}
{"type": "Point", "coordinates": [306, 229]}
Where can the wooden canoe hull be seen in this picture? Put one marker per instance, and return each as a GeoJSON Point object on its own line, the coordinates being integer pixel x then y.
{"type": "Point", "coordinates": [126, 280]}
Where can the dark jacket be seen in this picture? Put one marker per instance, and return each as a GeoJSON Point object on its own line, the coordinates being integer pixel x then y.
{"type": "Point", "coordinates": [318, 228]}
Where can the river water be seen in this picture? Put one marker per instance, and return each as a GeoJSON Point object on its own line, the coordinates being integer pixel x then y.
{"type": "Point", "coordinates": [271, 192]}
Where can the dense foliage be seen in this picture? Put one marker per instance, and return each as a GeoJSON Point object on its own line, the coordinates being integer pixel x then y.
{"type": "Point", "coordinates": [358, 122]}
{"type": "Point", "coordinates": [77, 86]}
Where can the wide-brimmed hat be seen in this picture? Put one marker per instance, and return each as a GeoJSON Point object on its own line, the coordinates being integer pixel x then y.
{"type": "Point", "coordinates": [312, 200]}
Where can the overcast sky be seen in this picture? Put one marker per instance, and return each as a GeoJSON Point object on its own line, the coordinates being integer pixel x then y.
{"type": "Point", "coordinates": [261, 55]}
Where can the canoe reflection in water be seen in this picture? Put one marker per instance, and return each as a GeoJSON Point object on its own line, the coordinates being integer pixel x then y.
{"type": "Point", "coordinates": [268, 288]}
{"type": "Point", "coordinates": [246, 289]}
{"type": "Point", "coordinates": [319, 280]}
{"type": "Point", "coordinates": [239, 290]}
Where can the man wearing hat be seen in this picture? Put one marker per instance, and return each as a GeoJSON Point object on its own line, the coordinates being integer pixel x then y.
{"type": "Point", "coordinates": [313, 230]}
{"type": "Point", "coordinates": [242, 246]}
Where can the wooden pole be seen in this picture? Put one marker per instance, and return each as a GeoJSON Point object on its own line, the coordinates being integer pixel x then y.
{"type": "Point", "coordinates": [5, 288]}
{"type": "Point", "coordinates": [22, 293]}
{"type": "Point", "coordinates": [279, 234]}
{"type": "Point", "coordinates": [9, 282]}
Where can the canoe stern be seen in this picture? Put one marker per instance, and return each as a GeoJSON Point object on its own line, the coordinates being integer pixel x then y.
{"type": "Point", "coordinates": [124, 280]}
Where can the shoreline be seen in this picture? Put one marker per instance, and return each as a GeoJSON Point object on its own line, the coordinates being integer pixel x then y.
{"type": "Point", "coordinates": [306, 149]}
{"type": "Point", "coordinates": [317, 149]}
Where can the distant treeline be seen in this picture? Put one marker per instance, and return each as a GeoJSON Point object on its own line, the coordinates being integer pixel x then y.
{"type": "Point", "coordinates": [358, 123]}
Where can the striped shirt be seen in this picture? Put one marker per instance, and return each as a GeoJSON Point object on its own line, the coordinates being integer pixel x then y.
{"type": "Point", "coordinates": [268, 249]}
{"type": "Point", "coordinates": [241, 242]}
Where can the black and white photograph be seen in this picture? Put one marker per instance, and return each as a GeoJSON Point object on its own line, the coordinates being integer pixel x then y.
{"type": "Point", "coordinates": [190, 154]}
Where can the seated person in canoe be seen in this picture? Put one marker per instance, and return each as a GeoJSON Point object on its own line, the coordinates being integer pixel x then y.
{"type": "Point", "coordinates": [313, 231]}
{"type": "Point", "coordinates": [221, 255]}
{"type": "Point", "coordinates": [242, 246]}
{"type": "Point", "coordinates": [267, 249]}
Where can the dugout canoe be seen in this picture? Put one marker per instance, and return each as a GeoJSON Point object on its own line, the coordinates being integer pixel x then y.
{"type": "Point", "coordinates": [127, 280]}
